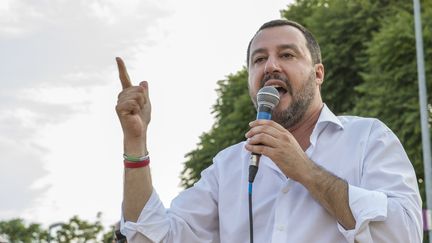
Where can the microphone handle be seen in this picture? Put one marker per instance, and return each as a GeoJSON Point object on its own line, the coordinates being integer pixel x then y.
{"type": "Point", "coordinates": [264, 113]}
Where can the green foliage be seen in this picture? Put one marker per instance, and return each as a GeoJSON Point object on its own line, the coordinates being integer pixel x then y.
{"type": "Point", "coordinates": [75, 230]}
{"type": "Point", "coordinates": [233, 110]}
{"type": "Point", "coordinates": [16, 231]}
{"type": "Point", "coordinates": [390, 87]}
{"type": "Point", "coordinates": [108, 237]}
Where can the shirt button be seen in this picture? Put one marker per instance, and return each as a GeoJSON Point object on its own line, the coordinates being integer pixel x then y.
{"type": "Point", "coordinates": [285, 190]}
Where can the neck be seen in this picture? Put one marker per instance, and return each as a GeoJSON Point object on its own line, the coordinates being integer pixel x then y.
{"type": "Point", "coordinates": [303, 129]}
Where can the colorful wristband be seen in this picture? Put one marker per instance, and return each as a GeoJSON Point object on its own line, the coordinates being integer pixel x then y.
{"type": "Point", "coordinates": [135, 159]}
{"type": "Point", "coordinates": [132, 164]}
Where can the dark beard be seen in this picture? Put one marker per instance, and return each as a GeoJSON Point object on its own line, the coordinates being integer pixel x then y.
{"type": "Point", "coordinates": [301, 101]}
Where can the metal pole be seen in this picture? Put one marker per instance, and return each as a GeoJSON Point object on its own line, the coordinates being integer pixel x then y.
{"type": "Point", "coordinates": [424, 115]}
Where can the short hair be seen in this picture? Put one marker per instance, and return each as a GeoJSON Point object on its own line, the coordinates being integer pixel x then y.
{"type": "Point", "coordinates": [311, 42]}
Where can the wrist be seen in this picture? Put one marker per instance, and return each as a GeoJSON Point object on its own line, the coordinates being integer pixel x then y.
{"type": "Point", "coordinates": [135, 146]}
{"type": "Point", "coordinates": [132, 162]}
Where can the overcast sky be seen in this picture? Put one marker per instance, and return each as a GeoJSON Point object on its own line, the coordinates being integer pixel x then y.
{"type": "Point", "coordinates": [61, 143]}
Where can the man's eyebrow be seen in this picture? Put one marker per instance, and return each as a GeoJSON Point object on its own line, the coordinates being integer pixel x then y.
{"type": "Point", "coordinates": [290, 46]}
{"type": "Point", "coordinates": [280, 47]}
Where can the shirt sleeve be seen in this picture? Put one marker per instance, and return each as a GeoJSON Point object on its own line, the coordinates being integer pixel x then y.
{"type": "Point", "coordinates": [152, 222]}
{"type": "Point", "coordinates": [192, 217]}
{"type": "Point", "coordinates": [387, 204]}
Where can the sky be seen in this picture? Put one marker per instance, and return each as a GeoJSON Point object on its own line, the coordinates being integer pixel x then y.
{"type": "Point", "coordinates": [60, 140]}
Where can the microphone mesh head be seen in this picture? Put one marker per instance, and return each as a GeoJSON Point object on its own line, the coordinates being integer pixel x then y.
{"type": "Point", "coordinates": [268, 96]}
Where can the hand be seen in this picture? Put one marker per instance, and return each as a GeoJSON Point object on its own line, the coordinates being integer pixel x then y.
{"type": "Point", "coordinates": [134, 111]}
{"type": "Point", "coordinates": [269, 138]}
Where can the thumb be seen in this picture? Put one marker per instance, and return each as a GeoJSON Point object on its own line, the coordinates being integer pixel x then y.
{"type": "Point", "coordinates": [144, 84]}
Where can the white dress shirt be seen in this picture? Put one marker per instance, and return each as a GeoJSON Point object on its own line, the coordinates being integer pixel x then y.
{"type": "Point", "coordinates": [383, 194]}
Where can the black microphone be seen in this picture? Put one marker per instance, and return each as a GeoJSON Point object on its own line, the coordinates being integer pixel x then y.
{"type": "Point", "coordinates": [267, 99]}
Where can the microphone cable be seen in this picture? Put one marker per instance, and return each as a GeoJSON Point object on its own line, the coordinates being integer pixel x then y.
{"type": "Point", "coordinates": [253, 169]}
{"type": "Point", "coordinates": [250, 214]}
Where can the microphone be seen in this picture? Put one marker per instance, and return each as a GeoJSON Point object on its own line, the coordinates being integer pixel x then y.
{"type": "Point", "coordinates": [267, 99]}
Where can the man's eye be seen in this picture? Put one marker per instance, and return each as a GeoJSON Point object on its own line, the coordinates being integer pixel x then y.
{"type": "Point", "coordinates": [259, 60]}
{"type": "Point", "coordinates": [287, 55]}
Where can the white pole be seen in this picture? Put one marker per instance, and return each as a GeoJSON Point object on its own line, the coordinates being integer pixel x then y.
{"type": "Point", "coordinates": [424, 115]}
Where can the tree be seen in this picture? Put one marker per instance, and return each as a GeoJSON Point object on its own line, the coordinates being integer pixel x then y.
{"type": "Point", "coordinates": [16, 230]}
{"type": "Point", "coordinates": [108, 237]}
{"type": "Point", "coordinates": [232, 110]}
{"type": "Point", "coordinates": [75, 230]}
{"type": "Point", "coordinates": [390, 87]}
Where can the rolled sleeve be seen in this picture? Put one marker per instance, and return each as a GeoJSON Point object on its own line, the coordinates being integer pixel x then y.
{"type": "Point", "coordinates": [366, 206]}
{"type": "Point", "coordinates": [152, 222]}
{"type": "Point", "coordinates": [386, 204]}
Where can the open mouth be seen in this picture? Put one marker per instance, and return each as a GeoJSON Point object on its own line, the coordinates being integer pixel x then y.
{"type": "Point", "coordinates": [280, 83]}
{"type": "Point", "coordinates": [280, 89]}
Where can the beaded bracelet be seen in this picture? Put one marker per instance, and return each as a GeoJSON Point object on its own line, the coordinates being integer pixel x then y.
{"type": "Point", "coordinates": [132, 164]}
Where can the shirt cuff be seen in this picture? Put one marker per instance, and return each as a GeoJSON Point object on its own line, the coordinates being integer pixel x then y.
{"type": "Point", "coordinates": [152, 222]}
{"type": "Point", "coordinates": [365, 206]}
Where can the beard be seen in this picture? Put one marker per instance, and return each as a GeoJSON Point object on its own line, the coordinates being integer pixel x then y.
{"type": "Point", "coordinates": [301, 101]}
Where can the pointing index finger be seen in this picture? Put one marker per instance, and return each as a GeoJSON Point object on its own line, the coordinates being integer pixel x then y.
{"type": "Point", "coordinates": [123, 75]}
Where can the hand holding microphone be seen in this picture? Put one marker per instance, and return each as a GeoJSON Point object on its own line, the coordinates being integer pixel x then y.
{"type": "Point", "coordinates": [134, 109]}
{"type": "Point", "coordinates": [269, 138]}
{"type": "Point", "coordinates": [267, 99]}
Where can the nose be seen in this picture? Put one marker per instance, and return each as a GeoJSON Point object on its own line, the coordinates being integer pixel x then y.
{"type": "Point", "coordinates": [271, 65]}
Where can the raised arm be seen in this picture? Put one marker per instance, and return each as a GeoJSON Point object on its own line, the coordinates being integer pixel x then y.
{"type": "Point", "coordinates": [134, 112]}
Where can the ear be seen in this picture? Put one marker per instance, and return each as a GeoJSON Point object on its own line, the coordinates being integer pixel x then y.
{"type": "Point", "coordinates": [319, 73]}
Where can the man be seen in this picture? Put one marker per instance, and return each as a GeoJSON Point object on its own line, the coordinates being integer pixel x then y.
{"type": "Point", "coordinates": [322, 178]}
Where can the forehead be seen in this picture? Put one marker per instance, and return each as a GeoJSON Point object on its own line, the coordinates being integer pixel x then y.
{"type": "Point", "coordinates": [279, 36]}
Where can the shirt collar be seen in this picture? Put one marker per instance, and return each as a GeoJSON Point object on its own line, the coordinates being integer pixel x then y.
{"type": "Point", "coordinates": [326, 118]}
